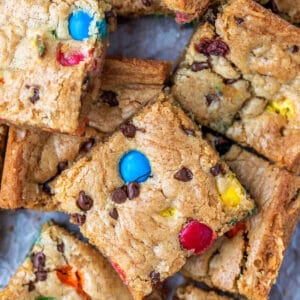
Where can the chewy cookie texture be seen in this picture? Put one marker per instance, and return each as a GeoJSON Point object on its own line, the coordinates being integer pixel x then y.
{"type": "Point", "coordinates": [246, 261]}
{"type": "Point", "coordinates": [150, 197]}
{"type": "Point", "coordinates": [51, 54]}
{"type": "Point", "coordinates": [33, 158]}
{"type": "Point", "coordinates": [185, 10]}
{"type": "Point", "coordinates": [240, 76]}
{"type": "Point", "coordinates": [59, 266]}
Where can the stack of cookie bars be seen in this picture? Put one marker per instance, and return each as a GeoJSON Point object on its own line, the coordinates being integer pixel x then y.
{"type": "Point", "coordinates": [194, 172]}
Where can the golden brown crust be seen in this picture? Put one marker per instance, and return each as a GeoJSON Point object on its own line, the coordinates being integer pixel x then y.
{"type": "Point", "coordinates": [194, 293]}
{"type": "Point", "coordinates": [122, 70]}
{"type": "Point", "coordinates": [268, 233]}
{"type": "Point", "coordinates": [190, 8]}
{"type": "Point", "coordinates": [249, 89]}
{"type": "Point", "coordinates": [32, 157]}
{"type": "Point", "coordinates": [82, 263]}
{"type": "Point", "coordinates": [187, 6]}
{"type": "Point", "coordinates": [137, 8]}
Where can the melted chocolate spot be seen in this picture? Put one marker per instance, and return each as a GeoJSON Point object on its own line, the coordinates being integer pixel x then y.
{"type": "Point", "coordinates": [109, 98]}
{"type": "Point", "coordinates": [119, 195]}
{"type": "Point", "coordinates": [114, 214]}
{"type": "Point", "coordinates": [133, 190]}
{"type": "Point", "coordinates": [84, 202]}
{"type": "Point", "coordinates": [184, 174]}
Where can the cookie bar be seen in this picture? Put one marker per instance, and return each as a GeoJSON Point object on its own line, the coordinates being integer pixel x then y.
{"type": "Point", "coordinates": [185, 10]}
{"type": "Point", "coordinates": [191, 292]}
{"type": "Point", "coordinates": [34, 157]}
{"type": "Point", "coordinates": [240, 76]}
{"type": "Point", "coordinates": [247, 259]}
{"type": "Point", "coordinates": [59, 266]}
{"type": "Point", "coordinates": [151, 196]}
{"type": "Point", "coordinates": [288, 9]}
{"type": "Point", "coordinates": [50, 53]}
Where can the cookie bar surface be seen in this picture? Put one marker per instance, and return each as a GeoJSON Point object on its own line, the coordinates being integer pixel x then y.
{"type": "Point", "coordinates": [241, 76]}
{"type": "Point", "coordinates": [185, 10]}
{"type": "Point", "coordinates": [34, 157]}
{"type": "Point", "coordinates": [144, 193]}
{"type": "Point", "coordinates": [49, 50]}
{"type": "Point", "coordinates": [246, 261]}
{"type": "Point", "coordinates": [59, 266]}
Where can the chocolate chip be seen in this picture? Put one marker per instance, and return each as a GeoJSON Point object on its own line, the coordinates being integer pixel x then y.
{"type": "Point", "coordinates": [41, 275]}
{"type": "Point", "coordinates": [119, 195]}
{"type": "Point", "coordinates": [294, 49]}
{"type": "Point", "coordinates": [62, 166]}
{"type": "Point", "coordinates": [188, 131]}
{"type": "Point", "coordinates": [210, 98]}
{"type": "Point", "coordinates": [84, 202]}
{"type": "Point", "coordinates": [199, 66]}
{"type": "Point", "coordinates": [217, 169]}
{"type": "Point", "coordinates": [133, 190]}
{"type": "Point", "coordinates": [239, 21]}
{"type": "Point", "coordinates": [87, 146]}
{"type": "Point", "coordinates": [61, 247]}
{"type": "Point", "coordinates": [214, 47]}
{"type": "Point", "coordinates": [78, 219]}
{"type": "Point", "coordinates": [184, 174]}
{"type": "Point", "coordinates": [222, 145]}
{"type": "Point", "coordinates": [31, 286]}
{"type": "Point", "coordinates": [109, 98]}
{"type": "Point", "coordinates": [147, 3]}
{"type": "Point", "coordinates": [129, 130]}
{"type": "Point", "coordinates": [47, 189]}
{"type": "Point", "coordinates": [39, 260]}
{"type": "Point", "coordinates": [155, 279]}
{"type": "Point", "coordinates": [36, 95]}
{"type": "Point", "coordinates": [114, 214]}
{"type": "Point", "coordinates": [230, 81]}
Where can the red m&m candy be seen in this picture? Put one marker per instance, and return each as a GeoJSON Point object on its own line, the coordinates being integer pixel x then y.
{"type": "Point", "coordinates": [197, 237]}
{"type": "Point", "coordinates": [67, 58]}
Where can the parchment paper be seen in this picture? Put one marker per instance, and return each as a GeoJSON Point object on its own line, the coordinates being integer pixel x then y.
{"type": "Point", "coordinates": [153, 38]}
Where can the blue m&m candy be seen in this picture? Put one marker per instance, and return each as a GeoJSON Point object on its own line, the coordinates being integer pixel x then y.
{"type": "Point", "coordinates": [134, 166]}
{"type": "Point", "coordinates": [79, 24]}
{"type": "Point", "coordinates": [102, 29]}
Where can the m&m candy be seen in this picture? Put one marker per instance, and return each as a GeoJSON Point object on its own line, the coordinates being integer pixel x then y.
{"type": "Point", "coordinates": [197, 237]}
{"type": "Point", "coordinates": [134, 166]}
{"type": "Point", "coordinates": [79, 25]}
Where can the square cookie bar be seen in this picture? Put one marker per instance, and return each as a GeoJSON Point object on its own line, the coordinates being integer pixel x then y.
{"type": "Point", "coordinates": [49, 51]}
{"type": "Point", "coordinates": [152, 197]}
{"type": "Point", "coordinates": [33, 158]}
{"type": "Point", "coordinates": [247, 259]}
{"type": "Point", "coordinates": [191, 292]}
{"type": "Point", "coordinates": [240, 76]}
{"type": "Point", "coordinates": [59, 266]}
{"type": "Point", "coordinates": [185, 10]}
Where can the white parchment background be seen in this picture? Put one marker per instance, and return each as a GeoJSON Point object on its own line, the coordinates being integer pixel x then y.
{"type": "Point", "coordinates": [152, 38]}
